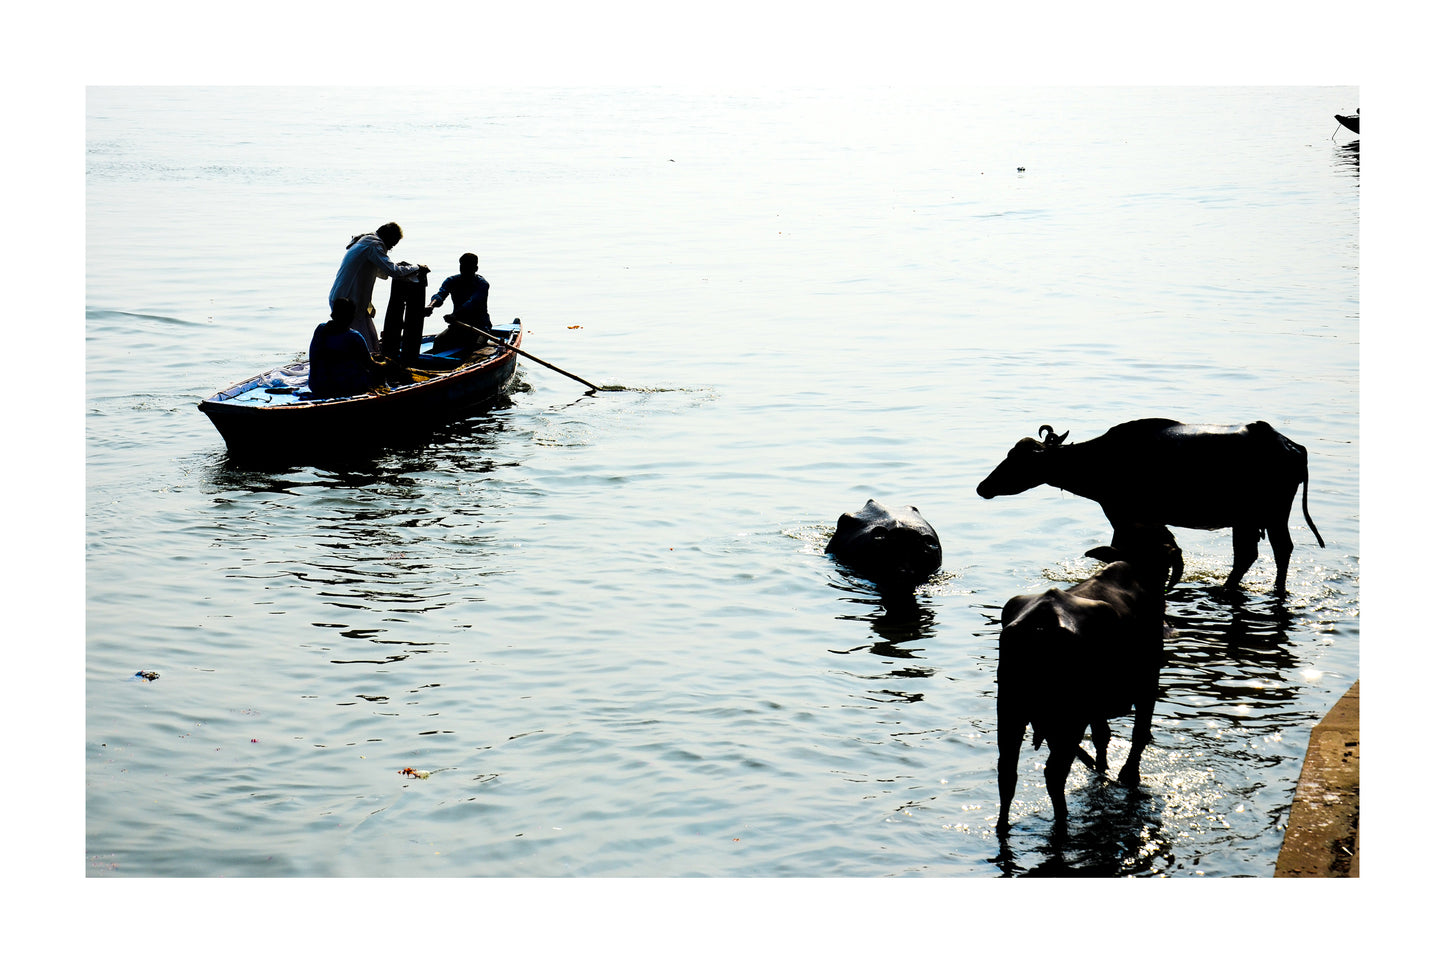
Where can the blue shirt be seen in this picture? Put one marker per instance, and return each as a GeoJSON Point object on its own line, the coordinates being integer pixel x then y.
{"type": "Point", "coordinates": [469, 298]}
{"type": "Point", "coordinates": [340, 363]}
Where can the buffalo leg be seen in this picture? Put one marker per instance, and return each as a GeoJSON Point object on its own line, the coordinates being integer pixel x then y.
{"type": "Point", "coordinates": [1056, 772]}
{"type": "Point", "coordinates": [1246, 550]}
{"type": "Point", "coordinates": [1143, 716]}
{"type": "Point", "coordinates": [1283, 545]}
{"type": "Point", "coordinates": [1101, 745]}
{"type": "Point", "coordinates": [1010, 736]}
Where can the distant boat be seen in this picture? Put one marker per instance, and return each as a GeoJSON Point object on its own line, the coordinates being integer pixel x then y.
{"type": "Point", "coordinates": [273, 416]}
{"type": "Point", "coordinates": [1351, 122]}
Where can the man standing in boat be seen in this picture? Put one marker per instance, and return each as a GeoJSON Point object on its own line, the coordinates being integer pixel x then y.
{"type": "Point", "coordinates": [469, 305]}
{"type": "Point", "coordinates": [366, 259]}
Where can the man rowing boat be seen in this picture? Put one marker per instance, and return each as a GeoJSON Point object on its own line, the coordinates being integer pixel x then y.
{"type": "Point", "coordinates": [469, 305]}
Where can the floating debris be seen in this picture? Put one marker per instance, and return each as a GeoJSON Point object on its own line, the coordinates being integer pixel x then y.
{"type": "Point", "coordinates": [147, 675]}
{"type": "Point", "coordinates": [414, 773]}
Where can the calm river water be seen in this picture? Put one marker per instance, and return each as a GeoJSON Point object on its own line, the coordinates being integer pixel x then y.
{"type": "Point", "coordinates": [605, 624]}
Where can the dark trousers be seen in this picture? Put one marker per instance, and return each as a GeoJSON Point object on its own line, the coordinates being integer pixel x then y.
{"type": "Point", "coordinates": [401, 335]}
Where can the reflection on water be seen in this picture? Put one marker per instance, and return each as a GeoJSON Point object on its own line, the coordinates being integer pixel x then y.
{"type": "Point", "coordinates": [1125, 836]}
{"type": "Point", "coordinates": [896, 617]}
{"type": "Point", "coordinates": [1217, 632]}
{"type": "Point", "coordinates": [1347, 157]}
{"type": "Point", "coordinates": [900, 620]}
{"type": "Point", "coordinates": [376, 524]}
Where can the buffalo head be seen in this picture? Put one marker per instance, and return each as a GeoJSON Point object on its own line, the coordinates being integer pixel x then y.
{"type": "Point", "coordinates": [894, 549]}
{"type": "Point", "coordinates": [1025, 467]}
{"type": "Point", "coordinates": [1150, 548]}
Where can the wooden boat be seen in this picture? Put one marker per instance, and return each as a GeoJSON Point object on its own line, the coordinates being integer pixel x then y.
{"type": "Point", "coordinates": [273, 416]}
{"type": "Point", "coordinates": [1351, 122]}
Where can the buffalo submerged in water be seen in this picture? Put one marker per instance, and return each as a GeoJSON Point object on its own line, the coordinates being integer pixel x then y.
{"type": "Point", "coordinates": [1163, 472]}
{"type": "Point", "coordinates": [895, 550]}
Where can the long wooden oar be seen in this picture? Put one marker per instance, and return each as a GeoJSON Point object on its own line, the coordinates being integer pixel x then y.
{"type": "Point", "coordinates": [507, 345]}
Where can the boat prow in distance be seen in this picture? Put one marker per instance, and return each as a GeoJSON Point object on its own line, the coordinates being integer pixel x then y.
{"type": "Point", "coordinates": [272, 416]}
{"type": "Point", "coordinates": [1350, 122]}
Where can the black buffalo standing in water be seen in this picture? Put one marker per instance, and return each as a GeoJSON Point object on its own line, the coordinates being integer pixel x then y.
{"type": "Point", "coordinates": [1076, 658]}
{"type": "Point", "coordinates": [895, 550]}
{"type": "Point", "coordinates": [1162, 472]}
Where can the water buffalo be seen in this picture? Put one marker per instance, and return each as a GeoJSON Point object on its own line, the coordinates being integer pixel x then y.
{"type": "Point", "coordinates": [892, 549]}
{"type": "Point", "coordinates": [1078, 657]}
{"type": "Point", "coordinates": [1159, 471]}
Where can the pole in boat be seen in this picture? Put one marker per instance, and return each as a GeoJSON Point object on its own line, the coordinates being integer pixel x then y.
{"type": "Point", "coordinates": [506, 345]}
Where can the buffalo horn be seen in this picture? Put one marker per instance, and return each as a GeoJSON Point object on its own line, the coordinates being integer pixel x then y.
{"type": "Point", "coordinates": [1046, 432]}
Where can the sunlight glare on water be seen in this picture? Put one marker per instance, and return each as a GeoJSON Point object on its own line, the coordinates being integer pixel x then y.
{"type": "Point", "coordinates": [604, 625]}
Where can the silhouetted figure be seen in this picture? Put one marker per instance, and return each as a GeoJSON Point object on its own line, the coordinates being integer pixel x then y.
{"type": "Point", "coordinates": [1075, 658]}
{"type": "Point", "coordinates": [1162, 472]}
{"type": "Point", "coordinates": [897, 551]}
{"type": "Point", "coordinates": [365, 260]}
{"type": "Point", "coordinates": [341, 364]}
{"type": "Point", "coordinates": [468, 292]}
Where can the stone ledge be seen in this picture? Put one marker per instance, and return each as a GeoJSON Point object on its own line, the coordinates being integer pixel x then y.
{"type": "Point", "coordinates": [1322, 838]}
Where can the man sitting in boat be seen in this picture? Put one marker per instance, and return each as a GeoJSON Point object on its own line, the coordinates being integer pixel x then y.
{"type": "Point", "coordinates": [469, 305]}
{"type": "Point", "coordinates": [366, 259]}
{"type": "Point", "coordinates": [341, 364]}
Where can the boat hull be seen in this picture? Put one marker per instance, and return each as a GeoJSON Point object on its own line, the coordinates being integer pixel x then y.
{"type": "Point", "coordinates": [259, 421]}
{"type": "Point", "coordinates": [1351, 123]}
